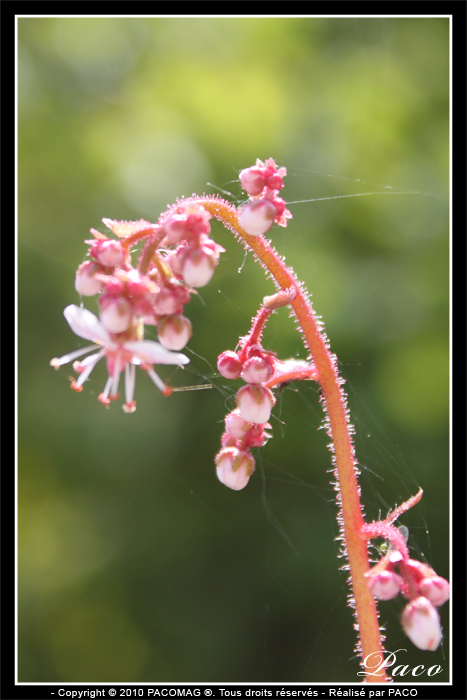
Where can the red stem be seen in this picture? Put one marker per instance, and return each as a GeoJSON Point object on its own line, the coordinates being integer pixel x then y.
{"type": "Point", "coordinates": [350, 517]}
{"type": "Point", "coordinates": [254, 336]}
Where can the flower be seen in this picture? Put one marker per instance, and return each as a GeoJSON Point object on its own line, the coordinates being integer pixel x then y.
{"type": "Point", "coordinates": [174, 332]}
{"type": "Point", "coordinates": [108, 252]}
{"type": "Point", "coordinates": [257, 216]}
{"type": "Point", "coordinates": [119, 354]}
{"type": "Point", "coordinates": [115, 313]}
{"type": "Point", "coordinates": [86, 282]}
{"type": "Point", "coordinates": [385, 585]}
{"type": "Point", "coordinates": [236, 426]}
{"type": "Point", "coordinates": [258, 370]}
{"type": "Point", "coordinates": [262, 175]}
{"type": "Point", "coordinates": [255, 403]}
{"type": "Point", "coordinates": [198, 266]}
{"type": "Point", "coordinates": [436, 589]}
{"type": "Point", "coordinates": [229, 365]}
{"type": "Point", "coordinates": [420, 622]}
{"type": "Point", "coordinates": [234, 467]}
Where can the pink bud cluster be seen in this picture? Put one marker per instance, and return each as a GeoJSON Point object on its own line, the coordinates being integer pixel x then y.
{"type": "Point", "coordinates": [421, 585]}
{"type": "Point", "coordinates": [195, 258]}
{"type": "Point", "coordinates": [247, 425]}
{"type": "Point", "coordinates": [178, 256]}
{"type": "Point", "coordinates": [263, 182]}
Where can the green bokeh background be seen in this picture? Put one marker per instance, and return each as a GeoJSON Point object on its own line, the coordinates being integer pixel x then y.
{"type": "Point", "coordinates": [135, 563]}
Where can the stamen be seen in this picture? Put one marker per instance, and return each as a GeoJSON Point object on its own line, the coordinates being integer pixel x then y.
{"type": "Point", "coordinates": [130, 375]}
{"type": "Point", "coordinates": [89, 363]}
{"type": "Point", "coordinates": [159, 383]}
{"type": "Point", "coordinates": [115, 382]}
{"type": "Point", "coordinates": [57, 362]}
{"type": "Point", "coordinates": [103, 398]}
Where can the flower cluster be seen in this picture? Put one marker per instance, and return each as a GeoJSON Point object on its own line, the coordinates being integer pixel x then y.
{"type": "Point", "coordinates": [262, 182]}
{"type": "Point", "coordinates": [177, 257]}
{"type": "Point", "coordinates": [247, 426]}
{"type": "Point", "coordinates": [397, 573]}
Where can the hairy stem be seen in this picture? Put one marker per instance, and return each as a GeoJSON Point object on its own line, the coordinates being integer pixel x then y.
{"type": "Point", "coordinates": [351, 516]}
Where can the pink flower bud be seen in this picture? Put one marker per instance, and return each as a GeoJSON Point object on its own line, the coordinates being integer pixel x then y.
{"type": "Point", "coordinates": [229, 365]}
{"type": "Point", "coordinates": [234, 467]}
{"type": "Point", "coordinates": [139, 285]}
{"type": "Point", "coordinates": [255, 403]}
{"type": "Point", "coordinates": [252, 180]}
{"type": "Point", "coordinates": [85, 281]}
{"type": "Point", "coordinates": [174, 332]}
{"type": "Point", "coordinates": [176, 228]}
{"type": "Point", "coordinates": [228, 441]}
{"type": "Point", "coordinates": [436, 589]}
{"type": "Point", "coordinates": [279, 205]}
{"type": "Point", "coordinates": [257, 435]}
{"type": "Point", "coordinates": [185, 221]}
{"type": "Point", "coordinates": [170, 301]}
{"type": "Point", "coordinates": [198, 267]}
{"type": "Point", "coordinates": [198, 219]}
{"type": "Point", "coordinates": [275, 182]}
{"type": "Point", "coordinates": [421, 624]}
{"type": "Point", "coordinates": [115, 313]}
{"type": "Point", "coordinates": [108, 253]}
{"type": "Point", "coordinates": [236, 426]}
{"type": "Point", "coordinates": [257, 217]}
{"type": "Point", "coordinates": [385, 585]}
{"type": "Point", "coordinates": [257, 370]}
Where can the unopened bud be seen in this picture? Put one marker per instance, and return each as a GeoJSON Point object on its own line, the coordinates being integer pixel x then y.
{"type": "Point", "coordinates": [255, 403]}
{"type": "Point", "coordinates": [229, 365]}
{"type": "Point", "coordinates": [257, 217]}
{"type": "Point", "coordinates": [252, 180]}
{"type": "Point", "coordinates": [115, 314]}
{"type": "Point", "coordinates": [108, 253]}
{"type": "Point", "coordinates": [421, 624]}
{"type": "Point", "coordinates": [198, 267]}
{"type": "Point", "coordinates": [85, 281]}
{"type": "Point", "coordinates": [234, 467]}
{"type": "Point", "coordinates": [176, 228]}
{"type": "Point", "coordinates": [257, 370]}
{"type": "Point", "coordinates": [385, 585]}
{"type": "Point", "coordinates": [436, 589]}
{"type": "Point", "coordinates": [275, 181]}
{"type": "Point", "coordinates": [168, 302]}
{"type": "Point", "coordinates": [228, 441]}
{"type": "Point", "coordinates": [174, 332]}
{"type": "Point", "coordinates": [236, 426]}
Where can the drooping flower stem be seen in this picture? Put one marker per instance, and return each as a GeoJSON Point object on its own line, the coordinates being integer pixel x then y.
{"type": "Point", "coordinates": [178, 256]}
{"type": "Point", "coordinates": [351, 517]}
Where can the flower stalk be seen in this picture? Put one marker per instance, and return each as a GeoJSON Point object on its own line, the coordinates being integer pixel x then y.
{"type": "Point", "coordinates": [176, 258]}
{"type": "Point", "coordinates": [338, 428]}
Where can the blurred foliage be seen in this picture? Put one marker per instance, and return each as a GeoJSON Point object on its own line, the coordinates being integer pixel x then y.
{"type": "Point", "coordinates": [135, 564]}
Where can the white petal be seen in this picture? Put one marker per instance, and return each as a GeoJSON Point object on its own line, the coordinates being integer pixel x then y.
{"type": "Point", "coordinates": [83, 323]}
{"type": "Point", "coordinates": [154, 353]}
